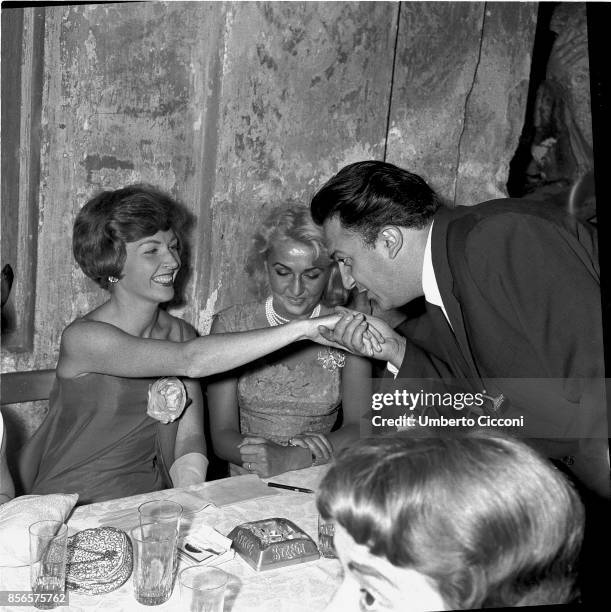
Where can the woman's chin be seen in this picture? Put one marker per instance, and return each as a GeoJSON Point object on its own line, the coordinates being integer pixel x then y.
{"type": "Point", "coordinates": [165, 294]}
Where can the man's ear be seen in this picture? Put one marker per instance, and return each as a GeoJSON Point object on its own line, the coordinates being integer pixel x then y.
{"type": "Point", "coordinates": [391, 240]}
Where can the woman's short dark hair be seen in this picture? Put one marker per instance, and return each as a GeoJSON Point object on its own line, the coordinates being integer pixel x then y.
{"type": "Point", "coordinates": [368, 195]}
{"type": "Point", "coordinates": [113, 218]}
{"type": "Point", "coordinates": [487, 519]}
{"type": "Point", "coordinates": [291, 220]}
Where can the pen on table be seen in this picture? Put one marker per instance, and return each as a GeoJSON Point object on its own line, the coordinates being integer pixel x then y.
{"type": "Point", "coordinates": [289, 487]}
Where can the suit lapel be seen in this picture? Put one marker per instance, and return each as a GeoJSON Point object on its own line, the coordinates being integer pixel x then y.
{"type": "Point", "coordinates": [445, 282]}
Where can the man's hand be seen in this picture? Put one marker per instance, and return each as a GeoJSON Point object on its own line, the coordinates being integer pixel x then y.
{"type": "Point", "coordinates": [350, 332]}
{"type": "Point", "coordinates": [353, 333]}
{"type": "Point", "coordinates": [317, 330]}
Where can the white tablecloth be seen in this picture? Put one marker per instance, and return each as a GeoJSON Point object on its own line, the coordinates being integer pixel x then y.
{"type": "Point", "coordinates": [304, 587]}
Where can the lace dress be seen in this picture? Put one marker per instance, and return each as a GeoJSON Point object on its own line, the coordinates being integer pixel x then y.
{"type": "Point", "coordinates": [277, 397]}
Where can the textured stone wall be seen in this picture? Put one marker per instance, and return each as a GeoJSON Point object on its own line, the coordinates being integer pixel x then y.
{"type": "Point", "coordinates": [234, 107]}
{"type": "Point", "coordinates": [459, 94]}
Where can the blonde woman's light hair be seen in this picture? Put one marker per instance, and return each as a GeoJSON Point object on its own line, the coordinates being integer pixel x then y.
{"type": "Point", "coordinates": [291, 221]}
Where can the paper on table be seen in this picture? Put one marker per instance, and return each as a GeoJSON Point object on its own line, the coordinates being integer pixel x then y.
{"type": "Point", "coordinates": [195, 498]}
{"type": "Point", "coordinates": [235, 489]}
{"type": "Point", "coordinates": [127, 519]}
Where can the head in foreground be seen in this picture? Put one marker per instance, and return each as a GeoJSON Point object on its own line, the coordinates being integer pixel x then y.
{"type": "Point", "coordinates": [451, 524]}
{"type": "Point", "coordinates": [289, 261]}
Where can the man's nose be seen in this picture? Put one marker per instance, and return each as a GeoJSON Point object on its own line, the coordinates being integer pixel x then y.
{"type": "Point", "coordinates": [347, 279]}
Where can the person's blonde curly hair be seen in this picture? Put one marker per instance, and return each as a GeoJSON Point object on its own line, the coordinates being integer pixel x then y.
{"type": "Point", "coordinates": [291, 220]}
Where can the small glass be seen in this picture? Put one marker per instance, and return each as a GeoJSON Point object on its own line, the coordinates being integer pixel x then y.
{"type": "Point", "coordinates": [202, 589]}
{"type": "Point", "coordinates": [48, 541]}
{"type": "Point", "coordinates": [154, 552]}
{"type": "Point", "coordinates": [326, 531]}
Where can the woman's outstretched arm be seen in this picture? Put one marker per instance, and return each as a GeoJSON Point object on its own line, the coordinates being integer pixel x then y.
{"type": "Point", "coordinates": [94, 346]}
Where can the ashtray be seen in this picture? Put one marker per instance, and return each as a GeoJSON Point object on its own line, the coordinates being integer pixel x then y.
{"type": "Point", "coordinates": [273, 543]}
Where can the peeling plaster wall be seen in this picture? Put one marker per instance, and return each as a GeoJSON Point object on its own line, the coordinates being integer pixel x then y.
{"type": "Point", "coordinates": [459, 95]}
{"type": "Point", "coordinates": [302, 92]}
{"type": "Point", "coordinates": [235, 107]}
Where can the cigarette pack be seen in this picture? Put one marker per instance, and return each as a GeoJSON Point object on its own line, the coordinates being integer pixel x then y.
{"type": "Point", "coordinates": [205, 546]}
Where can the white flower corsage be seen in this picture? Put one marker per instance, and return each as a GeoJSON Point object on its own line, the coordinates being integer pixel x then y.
{"type": "Point", "coordinates": [167, 399]}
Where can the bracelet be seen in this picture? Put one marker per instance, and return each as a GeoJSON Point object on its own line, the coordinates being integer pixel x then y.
{"type": "Point", "coordinates": [314, 458]}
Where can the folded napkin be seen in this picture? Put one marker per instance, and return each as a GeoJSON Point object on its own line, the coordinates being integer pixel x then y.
{"type": "Point", "coordinates": [18, 514]}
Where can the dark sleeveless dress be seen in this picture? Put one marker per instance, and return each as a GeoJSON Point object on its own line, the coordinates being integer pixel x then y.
{"type": "Point", "coordinates": [98, 440]}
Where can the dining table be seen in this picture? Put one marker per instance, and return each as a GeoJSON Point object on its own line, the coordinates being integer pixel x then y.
{"type": "Point", "coordinates": [224, 504]}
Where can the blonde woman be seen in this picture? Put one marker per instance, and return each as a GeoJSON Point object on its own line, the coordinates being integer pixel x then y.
{"type": "Point", "coordinates": [281, 412]}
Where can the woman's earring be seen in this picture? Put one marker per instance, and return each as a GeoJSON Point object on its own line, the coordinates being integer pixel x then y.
{"type": "Point", "coordinates": [113, 279]}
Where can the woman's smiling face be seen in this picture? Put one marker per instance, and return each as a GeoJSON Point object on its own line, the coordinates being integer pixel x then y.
{"type": "Point", "coordinates": [372, 583]}
{"type": "Point", "coordinates": [150, 267]}
{"type": "Point", "coordinates": [297, 279]}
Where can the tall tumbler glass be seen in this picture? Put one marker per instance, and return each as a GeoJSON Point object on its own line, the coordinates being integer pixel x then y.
{"type": "Point", "coordinates": [48, 541]}
{"type": "Point", "coordinates": [154, 549]}
{"type": "Point", "coordinates": [162, 511]}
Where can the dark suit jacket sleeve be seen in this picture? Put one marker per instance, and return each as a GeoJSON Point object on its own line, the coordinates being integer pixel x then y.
{"type": "Point", "coordinates": [421, 359]}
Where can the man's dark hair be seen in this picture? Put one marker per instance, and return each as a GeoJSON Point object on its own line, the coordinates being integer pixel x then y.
{"type": "Point", "coordinates": [368, 195]}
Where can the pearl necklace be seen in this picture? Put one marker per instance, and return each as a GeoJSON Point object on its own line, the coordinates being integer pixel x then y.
{"type": "Point", "coordinates": [274, 319]}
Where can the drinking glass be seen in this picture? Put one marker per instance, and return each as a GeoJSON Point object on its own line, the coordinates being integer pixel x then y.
{"type": "Point", "coordinates": [48, 540]}
{"type": "Point", "coordinates": [326, 531]}
{"type": "Point", "coordinates": [154, 551]}
{"type": "Point", "coordinates": [161, 511]}
{"type": "Point", "coordinates": [202, 589]}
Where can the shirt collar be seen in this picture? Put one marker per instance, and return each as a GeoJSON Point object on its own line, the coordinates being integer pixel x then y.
{"type": "Point", "coordinates": [430, 288]}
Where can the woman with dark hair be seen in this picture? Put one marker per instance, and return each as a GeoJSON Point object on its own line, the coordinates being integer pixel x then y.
{"type": "Point", "coordinates": [97, 438]}
{"type": "Point", "coordinates": [278, 413]}
{"type": "Point", "coordinates": [451, 524]}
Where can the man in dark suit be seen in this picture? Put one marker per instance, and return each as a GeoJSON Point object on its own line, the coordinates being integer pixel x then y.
{"type": "Point", "coordinates": [513, 307]}
{"type": "Point", "coordinates": [513, 315]}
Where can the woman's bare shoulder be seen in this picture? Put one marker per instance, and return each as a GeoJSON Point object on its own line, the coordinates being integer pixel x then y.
{"type": "Point", "coordinates": [77, 341]}
{"type": "Point", "coordinates": [84, 336]}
